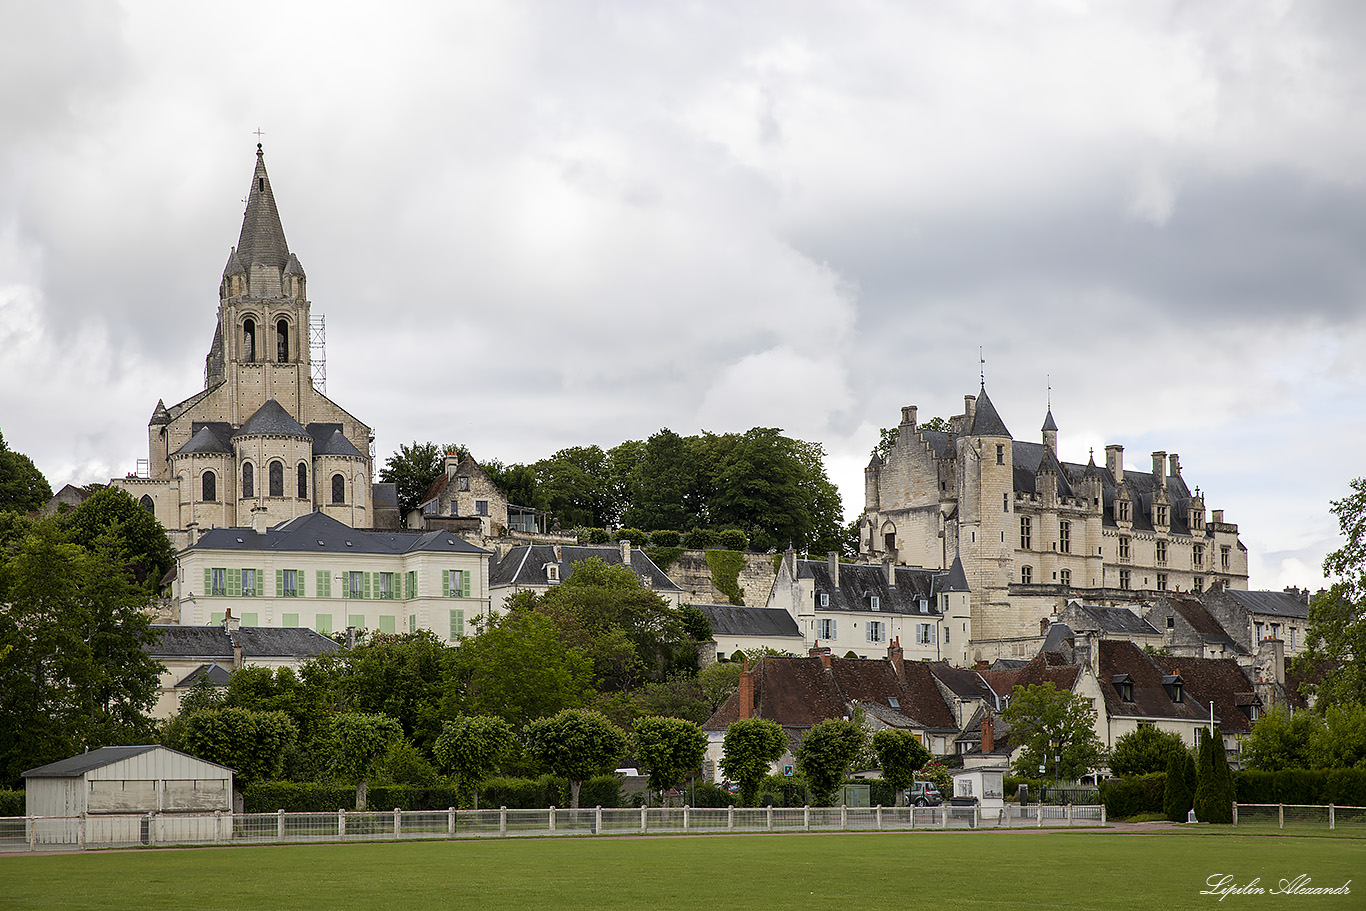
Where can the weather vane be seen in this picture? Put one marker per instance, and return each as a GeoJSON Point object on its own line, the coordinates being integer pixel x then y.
{"type": "Point", "coordinates": [1049, 380]}
{"type": "Point", "coordinates": [983, 361]}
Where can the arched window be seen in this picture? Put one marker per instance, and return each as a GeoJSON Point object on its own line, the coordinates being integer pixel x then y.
{"type": "Point", "coordinates": [147, 504]}
{"type": "Point", "coordinates": [338, 489]}
{"type": "Point", "coordinates": [277, 478]}
{"type": "Point", "coordinates": [303, 480]}
{"type": "Point", "coordinates": [248, 481]}
{"type": "Point", "coordinates": [282, 341]}
{"type": "Point", "coordinates": [209, 487]}
{"type": "Point", "coordinates": [249, 340]}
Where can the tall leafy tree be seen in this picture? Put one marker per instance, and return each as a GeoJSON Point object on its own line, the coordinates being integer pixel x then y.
{"type": "Point", "coordinates": [825, 755]}
{"type": "Point", "coordinates": [22, 486]}
{"type": "Point", "coordinates": [358, 741]}
{"type": "Point", "coordinates": [471, 748]}
{"type": "Point", "coordinates": [406, 677]}
{"type": "Point", "coordinates": [750, 747]}
{"type": "Point", "coordinates": [1180, 786]}
{"type": "Point", "coordinates": [900, 754]}
{"type": "Point", "coordinates": [252, 744]}
{"type": "Point", "coordinates": [575, 744]}
{"type": "Point", "coordinates": [1047, 723]}
{"type": "Point", "coordinates": [776, 490]}
{"type": "Point", "coordinates": [663, 485]}
{"type": "Point", "coordinates": [413, 468]}
{"type": "Point", "coordinates": [494, 667]}
{"type": "Point", "coordinates": [1336, 639]}
{"type": "Point", "coordinates": [1213, 781]}
{"type": "Point", "coordinates": [1144, 750]}
{"type": "Point", "coordinates": [1280, 740]}
{"type": "Point", "coordinates": [517, 482]}
{"type": "Point", "coordinates": [576, 487]}
{"type": "Point", "coordinates": [146, 550]}
{"type": "Point", "coordinates": [670, 748]}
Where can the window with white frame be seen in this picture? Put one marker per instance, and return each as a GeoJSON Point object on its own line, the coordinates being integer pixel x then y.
{"type": "Point", "coordinates": [924, 634]}
{"type": "Point", "coordinates": [826, 629]}
{"type": "Point", "coordinates": [874, 602]}
{"type": "Point", "coordinates": [825, 599]}
{"type": "Point", "coordinates": [355, 585]}
{"type": "Point", "coordinates": [876, 631]}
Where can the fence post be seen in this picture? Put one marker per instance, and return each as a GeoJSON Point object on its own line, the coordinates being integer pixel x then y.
{"type": "Point", "coordinates": [687, 818]}
{"type": "Point", "coordinates": [1038, 813]}
{"type": "Point", "coordinates": [80, 832]}
{"type": "Point", "coordinates": [806, 818]}
{"type": "Point", "coordinates": [151, 829]}
{"type": "Point", "coordinates": [1332, 818]}
{"type": "Point", "coordinates": [502, 820]}
{"type": "Point", "coordinates": [944, 816]}
{"type": "Point", "coordinates": [1280, 816]}
{"type": "Point", "coordinates": [730, 816]}
{"type": "Point", "coordinates": [280, 824]}
{"type": "Point", "coordinates": [844, 817]}
{"type": "Point", "coordinates": [32, 833]}
{"type": "Point", "coordinates": [552, 820]}
{"type": "Point", "coordinates": [1235, 812]}
{"type": "Point", "coordinates": [644, 814]}
{"type": "Point", "coordinates": [398, 822]}
{"type": "Point", "coordinates": [879, 817]}
{"type": "Point", "coordinates": [217, 826]}
{"type": "Point", "coordinates": [1102, 814]}
{"type": "Point", "coordinates": [910, 813]}
{"type": "Point", "coordinates": [1069, 815]}
{"type": "Point", "coordinates": [450, 822]}
{"type": "Point", "coordinates": [770, 817]}
{"type": "Point", "coordinates": [597, 820]}
{"type": "Point", "coordinates": [341, 822]}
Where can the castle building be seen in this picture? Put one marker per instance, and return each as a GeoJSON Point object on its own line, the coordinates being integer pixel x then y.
{"type": "Point", "coordinates": [1033, 531]}
{"type": "Point", "coordinates": [259, 438]}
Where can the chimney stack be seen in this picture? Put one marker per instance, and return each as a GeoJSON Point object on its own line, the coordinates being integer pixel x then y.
{"type": "Point", "coordinates": [745, 691]}
{"type": "Point", "coordinates": [832, 560]}
{"type": "Point", "coordinates": [452, 463]}
{"type": "Point", "coordinates": [896, 655]}
{"type": "Point", "coordinates": [908, 415]}
{"type": "Point", "coordinates": [350, 637]}
{"type": "Point", "coordinates": [1114, 462]}
{"type": "Point", "coordinates": [969, 412]}
{"type": "Point", "coordinates": [1174, 463]}
{"type": "Point", "coordinates": [1217, 516]}
{"type": "Point", "coordinates": [889, 570]}
{"type": "Point", "coordinates": [558, 554]}
{"type": "Point", "coordinates": [625, 553]}
{"type": "Point", "coordinates": [988, 732]}
{"type": "Point", "coordinates": [258, 519]}
{"type": "Point", "coordinates": [1160, 470]}
{"type": "Point", "coordinates": [230, 623]}
{"type": "Point", "coordinates": [236, 653]}
{"type": "Point", "coordinates": [822, 652]}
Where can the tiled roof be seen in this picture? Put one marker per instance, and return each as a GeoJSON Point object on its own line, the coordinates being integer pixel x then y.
{"type": "Point", "coordinates": [729, 620]}
{"type": "Point", "coordinates": [1151, 700]}
{"type": "Point", "coordinates": [1203, 622]}
{"type": "Point", "coordinates": [859, 582]}
{"type": "Point", "coordinates": [318, 532]}
{"type": "Point", "coordinates": [1116, 620]}
{"type": "Point", "coordinates": [526, 564]}
{"type": "Point", "coordinates": [1281, 604]}
{"type": "Point", "coordinates": [256, 641]}
{"type": "Point", "coordinates": [985, 420]}
{"type": "Point", "coordinates": [1220, 680]}
{"type": "Point", "coordinates": [963, 682]}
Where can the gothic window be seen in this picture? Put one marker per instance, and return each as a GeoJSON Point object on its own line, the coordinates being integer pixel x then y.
{"type": "Point", "coordinates": [1065, 537]}
{"type": "Point", "coordinates": [1198, 555]}
{"type": "Point", "coordinates": [249, 341]}
{"type": "Point", "coordinates": [209, 487]}
{"type": "Point", "coordinates": [1160, 515]}
{"type": "Point", "coordinates": [1223, 558]}
{"type": "Point", "coordinates": [147, 504]}
{"type": "Point", "coordinates": [248, 481]}
{"type": "Point", "coordinates": [303, 481]}
{"type": "Point", "coordinates": [1123, 578]}
{"type": "Point", "coordinates": [1123, 547]}
{"type": "Point", "coordinates": [277, 478]}
{"type": "Point", "coordinates": [1122, 510]}
{"type": "Point", "coordinates": [1161, 553]}
{"type": "Point", "coordinates": [1162, 583]}
{"type": "Point", "coordinates": [282, 341]}
{"type": "Point", "coordinates": [338, 489]}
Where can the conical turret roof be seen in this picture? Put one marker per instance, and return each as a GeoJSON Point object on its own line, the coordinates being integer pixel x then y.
{"type": "Point", "coordinates": [263, 237]}
{"type": "Point", "coordinates": [986, 422]}
{"type": "Point", "coordinates": [1048, 423]}
{"type": "Point", "coordinates": [234, 266]}
{"type": "Point", "coordinates": [271, 418]}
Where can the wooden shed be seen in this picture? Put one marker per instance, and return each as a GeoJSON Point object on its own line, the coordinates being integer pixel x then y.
{"type": "Point", "coordinates": [127, 781]}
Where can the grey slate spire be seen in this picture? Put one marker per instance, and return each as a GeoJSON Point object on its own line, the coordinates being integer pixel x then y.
{"type": "Point", "coordinates": [986, 422]}
{"type": "Point", "coordinates": [1048, 422]}
{"type": "Point", "coordinates": [263, 237]}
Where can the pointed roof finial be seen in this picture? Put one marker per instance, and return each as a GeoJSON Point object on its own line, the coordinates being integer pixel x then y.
{"type": "Point", "coordinates": [983, 361]}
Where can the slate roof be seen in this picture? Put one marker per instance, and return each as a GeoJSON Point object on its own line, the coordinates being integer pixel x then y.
{"type": "Point", "coordinates": [1118, 621]}
{"type": "Point", "coordinates": [859, 582]}
{"type": "Point", "coordinates": [1119, 658]}
{"type": "Point", "coordinates": [263, 236]}
{"type": "Point", "coordinates": [972, 734]}
{"type": "Point", "coordinates": [526, 564]}
{"type": "Point", "coordinates": [257, 642]}
{"type": "Point", "coordinates": [1058, 634]}
{"type": "Point", "coordinates": [1203, 622]}
{"type": "Point", "coordinates": [1046, 667]}
{"type": "Point", "coordinates": [729, 620]}
{"type": "Point", "coordinates": [1219, 679]}
{"type": "Point", "coordinates": [963, 682]}
{"type": "Point", "coordinates": [271, 418]}
{"type": "Point", "coordinates": [317, 532]}
{"type": "Point", "coordinates": [1282, 604]}
{"type": "Point", "coordinates": [215, 673]}
{"type": "Point", "coordinates": [207, 438]}
{"type": "Point", "coordinates": [985, 420]}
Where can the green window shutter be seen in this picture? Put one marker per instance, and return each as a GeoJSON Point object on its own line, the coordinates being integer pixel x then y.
{"type": "Point", "coordinates": [208, 581]}
{"type": "Point", "coordinates": [457, 624]}
{"type": "Point", "coordinates": [216, 618]}
{"type": "Point", "coordinates": [322, 583]}
{"type": "Point", "coordinates": [386, 624]}
{"type": "Point", "coordinates": [234, 583]}
{"type": "Point", "coordinates": [412, 583]}
{"type": "Point", "coordinates": [290, 621]}
{"type": "Point", "coordinates": [323, 624]}
{"type": "Point", "coordinates": [445, 584]}
{"type": "Point", "coordinates": [279, 583]}
{"type": "Point", "coordinates": [365, 582]}
{"type": "Point", "coordinates": [251, 620]}
{"type": "Point", "coordinates": [299, 581]}
{"type": "Point", "coordinates": [356, 620]}
{"type": "Point", "coordinates": [260, 583]}
{"type": "Point", "coordinates": [465, 584]}
{"type": "Point", "coordinates": [412, 623]}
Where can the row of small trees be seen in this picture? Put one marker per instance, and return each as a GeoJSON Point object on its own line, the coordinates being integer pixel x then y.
{"type": "Point", "coordinates": [1201, 781]}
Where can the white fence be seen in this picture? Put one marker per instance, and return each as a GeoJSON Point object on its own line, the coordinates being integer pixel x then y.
{"type": "Point", "coordinates": [1298, 816]}
{"type": "Point", "coordinates": [38, 833]}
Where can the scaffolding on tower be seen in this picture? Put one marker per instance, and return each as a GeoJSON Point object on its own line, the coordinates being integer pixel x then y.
{"type": "Point", "coordinates": [317, 351]}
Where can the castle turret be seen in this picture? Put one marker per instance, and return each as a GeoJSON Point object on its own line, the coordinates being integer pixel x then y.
{"type": "Point", "coordinates": [1050, 433]}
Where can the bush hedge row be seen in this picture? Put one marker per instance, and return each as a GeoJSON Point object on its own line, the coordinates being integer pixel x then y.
{"type": "Point", "coordinates": [514, 793]}
{"type": "Point", "coordinates": [1125, 797]}
{"type": "Point", "coordinates": [1342, 787]}
{"type": "Point", "coordinates": [12, 803]}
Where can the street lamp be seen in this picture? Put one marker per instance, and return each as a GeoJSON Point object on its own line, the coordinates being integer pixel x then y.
{"type": "Point", "coordinates": [1057, 760]}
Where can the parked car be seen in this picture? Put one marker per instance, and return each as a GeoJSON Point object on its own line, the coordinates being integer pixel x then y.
{"type": "Point", "coordinates": [923, 794]}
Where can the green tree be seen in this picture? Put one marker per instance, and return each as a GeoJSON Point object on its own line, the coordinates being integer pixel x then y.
{"type": "Point", "coordinates": [577, 488]}
{"type": "Point", "coordinates": [494, 666]}
{"type": "Point", "coordinates": [1340, 743]}
{"type": "Point", "coordinates": [678, 696]}
{"type": "Point", "coordinates": [516, 482]}
{"type": "Point", "coordinates": [776, 490]}
{"type": "Point", "coordinates": [825, 755]}
{"type": "Point", "coordinates": [1280, 740]}
{"type": "Point", "coordinates": [1336, 638]}
{"type": "Point", "coordinates": [74, 673]}
{"type": "Point", "coordinates": [252, 744]}
{"type": "Point", "coordinates": [413, 468]}
{"type": "Point", "coordinates": [718, 681]}
{"type": "Point", "coordinates": [406, 677]}
{"type": "Point", "coordinates": [900, 755]}
{"type": "Point", "coordinates": [22, 486]}
{"type": "Point", "coordinates": [1180, 785]}
{"type": "Point", "coordinates": [670, 748]}
{"type": "Point", "coordinates": [137, 534]}
{"type": "Point", "coordinates": [358, 741]}
{"type": "Point", "coordinates": [575, 744]}
{"type": "Point", "coordinates": [1144, 750]}
{"type": "Point", "coordinates": [663, 484]}
{"type": "Point", "coordinates": [472, 748]}
{"type": "Point", "coordinates": [750, 747]}
{"type": "Point", "coordinates": [1213, 781]}
{"type": "Point", "coordinates": [1048, 722]}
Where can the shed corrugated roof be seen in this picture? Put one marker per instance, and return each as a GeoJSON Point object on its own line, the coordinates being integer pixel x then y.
{"type": "Point", "coordinates": [85, 762]}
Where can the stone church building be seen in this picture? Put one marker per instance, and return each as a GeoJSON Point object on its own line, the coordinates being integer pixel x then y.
{"type": "Point", "coordinates": [259, 445]}
{"type": "Point", "coordinates": [1033, 531]}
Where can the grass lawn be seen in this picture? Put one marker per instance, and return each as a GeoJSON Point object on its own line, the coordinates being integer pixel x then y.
{"type": "Point", "coordinates": [841, 872]}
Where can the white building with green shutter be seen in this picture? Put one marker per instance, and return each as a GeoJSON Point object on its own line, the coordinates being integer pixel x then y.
{"type": "Point", "coordinates": [315, 572]}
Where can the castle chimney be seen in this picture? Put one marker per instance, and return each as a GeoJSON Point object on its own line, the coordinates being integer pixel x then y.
{"type": "Point", "coordinates": [258, 519]}
{"type": "Point", "coordinates": [452, 463]}
{"type": "Point", "coordinates": [1216, 516]}
{"type": "Point", "coordinates": [1160, 470]}
{"type": "Point", "coordinates": [889, 570]}
{"type": "Point", "coordinates": [1174, 463]}
{"type": "Point", "coordinates": [908, 416]}
{"type": "Point", "coordinates": [1114, 462]}
{"type": "Point", "coordinates": [832, 561]}
{"type": "Point", "coordinates": [969, 412]}
{"type": "Point", "coordinates": [896, 656]}
{"type": "Point", "coordinates": [236, 652]}
{"type": "Point", "coordinates": [745, 692]}
{"type": "Point", "coordinates": [988, 732]}
{"type": "Point", "coordinates": [350, 637]}
{"type": "Point", "coordinates": [822, 652]}
{"type": "Point", "coordinates": [231, 624]}
{"type": "Point", "coordinates": [625, 553]}
{"type": "Point", "coordinates": [558, 555]}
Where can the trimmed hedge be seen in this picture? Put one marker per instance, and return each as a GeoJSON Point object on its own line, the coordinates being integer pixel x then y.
{"type": "Point", "coordinates": [665, 538]}
{"type": "Point", "coordinates": [1341, 787]}
{"type": "Point", "coordinates": [515, 793]}
{"type": "Point", "coordinates": [634, 535]}
{"type": "Point", "coordinates": [733, 539]}
{"type": "Point", "coordinates": [12, 803]}
{"type": "Point", "coordinates": [1125, 797]}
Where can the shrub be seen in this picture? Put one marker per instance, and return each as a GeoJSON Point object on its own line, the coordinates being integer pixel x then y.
{"type": "Point", "coordinates": [1144, 750]}
{"type": "Point", "coordinates": [733, 539]}
{"type": "Point", "coordinates": [1343, 787]}
{"type": "Point", "coordinates": [1214, 789]}
{"type": "Point", "coordinates": [1125, 797]}
{"type": "Point", "coordinates": [12, 803]}
{"type": "Point", "coordinates": [634, 535]}
{"type": "Point", "coordinates": [1176, 803]}
{"type": "Point", "coordinates": [664, 557]}
{"type": "Point", "coordinates": [665, 538]}
{"type": "Point", "coordinates": [596, 535]}
{"type": "Point", "coordinates": [699, 539]}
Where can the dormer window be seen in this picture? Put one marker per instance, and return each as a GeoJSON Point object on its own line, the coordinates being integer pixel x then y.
{"type": "Point", "coordinates": [552, 572]}
{"type": "Point", "coordinates": [874, 602]}
{"type": "Point", "coordinates": [825, 600]}
{"type": "Point", "coordinates": [1125, 685]}
{"type": "Point", "coordinates": [1175, 687]}
{"type": "Point", "coordinates": [924, 606]}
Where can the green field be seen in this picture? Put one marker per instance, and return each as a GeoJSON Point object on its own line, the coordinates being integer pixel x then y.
{"type": "Point", "coordinates": [842, 872]}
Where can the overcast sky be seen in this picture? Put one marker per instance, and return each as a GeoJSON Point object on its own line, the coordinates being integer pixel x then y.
{"type": "Point", "coordinates": [532, 226]}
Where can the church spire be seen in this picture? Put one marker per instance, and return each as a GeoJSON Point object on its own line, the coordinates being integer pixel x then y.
{"type": "Point", "coordinates": [262, 241]}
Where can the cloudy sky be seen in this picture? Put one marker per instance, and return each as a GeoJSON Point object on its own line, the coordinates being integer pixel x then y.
{"type": "Point", "coordinates": [533, 226]}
